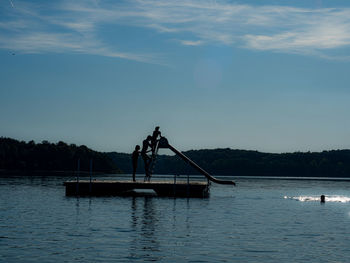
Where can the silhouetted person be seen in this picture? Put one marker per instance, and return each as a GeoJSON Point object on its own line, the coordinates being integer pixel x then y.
{"type": "Point", "coordinates": [145, 144]}
{"type": "Point", "coordinates": [155, 135]}
{"type": "Point", "coordinates": [323, 199]}
{"type": "Point", "coordinates": [135, 157]}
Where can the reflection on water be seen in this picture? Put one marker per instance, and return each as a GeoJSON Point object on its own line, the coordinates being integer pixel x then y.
{"type": "Point", "coordinates": [148, 241]}
{"type": "Point", "coordinates": [144, 222]}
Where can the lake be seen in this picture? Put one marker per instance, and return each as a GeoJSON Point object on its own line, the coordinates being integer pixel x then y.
{"type": "Point", "coordinates": [259, 220]}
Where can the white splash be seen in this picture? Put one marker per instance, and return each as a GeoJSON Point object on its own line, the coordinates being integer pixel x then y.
{"type": "Point", "coordinates": [328, 198]}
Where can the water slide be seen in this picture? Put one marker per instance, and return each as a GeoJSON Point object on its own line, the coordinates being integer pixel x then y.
{"type": "Point", "coordinates": [163, 143]}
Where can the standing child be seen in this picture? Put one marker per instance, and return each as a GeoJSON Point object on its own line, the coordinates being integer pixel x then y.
{"type": "Point", "coordinates": [135, 157]}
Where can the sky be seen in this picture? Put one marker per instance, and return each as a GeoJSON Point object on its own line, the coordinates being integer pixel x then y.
{"type": "Point", "coordinates": [271, 76]}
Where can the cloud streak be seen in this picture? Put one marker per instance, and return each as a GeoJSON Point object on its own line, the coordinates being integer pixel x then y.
{"type": "Point", "coordinates": [75, 26]}
{"type": "Point", "coordinates": [58, 29]}
{"type": "Point", "coordinates": [285, 29]}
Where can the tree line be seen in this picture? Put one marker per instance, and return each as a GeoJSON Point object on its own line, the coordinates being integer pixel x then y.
{"type": "Point", "coordinates": [335, 163]}
{"type": "Point", "coordinates": [46, 156]}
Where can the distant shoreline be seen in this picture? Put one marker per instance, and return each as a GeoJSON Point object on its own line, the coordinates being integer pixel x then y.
{"type": "Point", "coordinates": [315, 178]}
{"type": "Point", "coordinates": [61, 158]}
{"type": "Point", "coordinates": [43, 172]}
{"type": "Point", "coordinates": [86, 174]}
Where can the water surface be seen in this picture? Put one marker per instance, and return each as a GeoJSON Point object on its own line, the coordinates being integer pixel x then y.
{"type": "Point", "coordinates": [257, 221]}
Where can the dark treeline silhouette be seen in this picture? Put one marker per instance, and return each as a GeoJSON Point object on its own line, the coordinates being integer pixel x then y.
{"type": "Point", "coordinates": [45, 156]}
{"type": "Point", "coordinates": [334, 163]}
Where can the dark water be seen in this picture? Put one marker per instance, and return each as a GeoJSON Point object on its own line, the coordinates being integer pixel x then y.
{"type": "Point", "coordinates": [258, 221]}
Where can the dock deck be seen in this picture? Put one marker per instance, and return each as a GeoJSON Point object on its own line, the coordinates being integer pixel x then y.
{"type": "Point", "coordinates": [127, 188]}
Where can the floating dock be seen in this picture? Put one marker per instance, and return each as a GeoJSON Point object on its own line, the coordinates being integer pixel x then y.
{"type": "Point", "coordinates": [161, 188]}
{"type": "Point", "coordinates": [129, 188]}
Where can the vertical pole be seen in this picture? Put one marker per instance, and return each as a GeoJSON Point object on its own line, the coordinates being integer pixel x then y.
{"type": "Point", "coordinates": [78, 171]}
{"type": "Point", "coordinates": [174, 189]}
{"type": "Point", "coordinates": [188, 186]}
{"type": "Point", "coordinates": [90, 186]}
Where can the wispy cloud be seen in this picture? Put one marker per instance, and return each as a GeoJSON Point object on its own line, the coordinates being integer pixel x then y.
{"type": "Point", "coordinates": [71, 26]}
{"type": "Point", "coordinates": [191, 42]}
{"type": "Point", "coordinates": [307, 31]}
{"type": "Point", "coordinates": [11, 3]}
{"type": "Point", "coordinates": [315, 33]}
{"type": "Point", "coordinates": [63, 28]}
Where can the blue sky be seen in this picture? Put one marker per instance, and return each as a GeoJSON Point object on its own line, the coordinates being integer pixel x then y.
{"type": "Point", "coordinates": [262, 75]}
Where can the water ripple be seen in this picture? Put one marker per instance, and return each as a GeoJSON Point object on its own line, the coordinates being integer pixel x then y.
{"type": "Point", "coordinates": [250, 223]}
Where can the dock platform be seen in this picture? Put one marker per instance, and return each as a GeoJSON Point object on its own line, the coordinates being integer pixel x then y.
{"type": "Point", "coordinates": [128, 188]}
